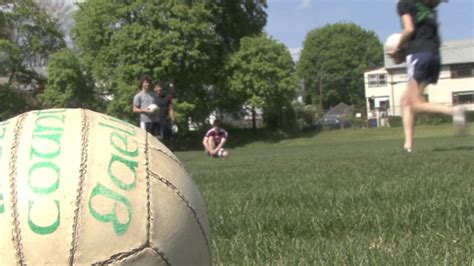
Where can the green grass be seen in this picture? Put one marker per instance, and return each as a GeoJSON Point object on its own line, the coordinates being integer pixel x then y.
{"type": "Point", "coordinates": [347, 197]}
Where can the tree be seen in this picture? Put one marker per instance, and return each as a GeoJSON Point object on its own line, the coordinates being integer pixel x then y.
{"type": "Point", "coordinates": [334, 59]}
{"type": "Point", "coordinates": [61, 11]}
{"type": "Point", "coordinates": [27, 37]}
{"type": "Point", "coordinates": [69, 85]}
{"type": "Point", "coordinates": [262, 75]}
{"type": "Point", "coordinates": [234, 20]}
{"type": "Point", "coordinates": [12, 103]}
{"type": "Point", "coordinates": [185, 41]}
{"type": "Point", "coordinates": [169, 40]}
{"type": "Point", "coordinates": [238, 19]}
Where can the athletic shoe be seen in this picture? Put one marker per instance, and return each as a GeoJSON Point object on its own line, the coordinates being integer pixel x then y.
{"type": "Point", "coordinates": [459, 119]}
{"type": "Point", "coordinates": [408, 150]}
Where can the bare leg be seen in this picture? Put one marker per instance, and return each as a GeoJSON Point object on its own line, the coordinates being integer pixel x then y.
{"type": "Point", "coordinates": [205, 143]}
{"type": "Point", "coordinates": [420, 106]}
{"type": "Point", "coordinates": [210, 144]}
{"type": "Point", "coordinates": [413, 102]}
{"type": "Point", "coordinates": [408, 114]}
{"type": "Point", "coordinates": [408, 124]}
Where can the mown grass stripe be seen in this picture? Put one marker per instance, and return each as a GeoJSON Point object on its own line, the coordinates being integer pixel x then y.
{"type": "Point", "coordinates": [341, 198]}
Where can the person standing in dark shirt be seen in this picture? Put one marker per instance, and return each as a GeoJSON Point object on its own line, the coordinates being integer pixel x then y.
{"type": "Point", "coordinates": [165, 112]}
{"type": "Point", "coordinates": [420, 42]}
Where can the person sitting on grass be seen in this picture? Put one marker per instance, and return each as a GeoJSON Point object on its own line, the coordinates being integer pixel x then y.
{"type": "Point", "coordinates": [214, 141]}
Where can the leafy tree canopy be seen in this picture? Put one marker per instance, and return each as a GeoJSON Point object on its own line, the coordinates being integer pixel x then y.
{"type": "Point", "coordinates": [237, 19]}
{"type": "Point", "coordinates": [185, 42]}
{"type": "Point", "coordinates": [339, 54]}
{"type": "Point", "coordinates": [68, 84]}
{"type": "Point", "coordinates": [262, 73]}
{"type": "Point", "coordinates": [27, 37]}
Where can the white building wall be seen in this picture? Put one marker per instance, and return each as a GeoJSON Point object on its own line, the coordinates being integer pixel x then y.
{"type": "Point", "coordinates": [396, 84]}
{"type": "Point", "coordinates": [455, 56]}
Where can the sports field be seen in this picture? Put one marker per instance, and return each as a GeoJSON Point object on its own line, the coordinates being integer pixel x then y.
{"type": "Point", "coordinates": [347, 197]}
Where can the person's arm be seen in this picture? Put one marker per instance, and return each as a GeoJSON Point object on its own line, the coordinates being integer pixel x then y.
{"type": "Point", "coordinates": [136, 106]}
{"type": "Point", "coordinates": [205, 144]}
{"type": "Point", "coordinates": [398, 55]}
{"type": "Point", "coordinates": [141, 111]}
{"type": "Point", "coordinates": [171, 111]}
{"type": "Point", "coordinates": [408, 30]}
{"type": "Point", "coordinates": [136, 109]}
{"type": "Point", "coordinates": [172, 91]}
{"type": "Point", "coordinates": [223, 140]}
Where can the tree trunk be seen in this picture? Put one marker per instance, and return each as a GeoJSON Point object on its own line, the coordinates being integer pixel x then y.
{"type": "Point", "coordinates": [321, 104]}
{"type": "Point", "coordinates": [254, 120]}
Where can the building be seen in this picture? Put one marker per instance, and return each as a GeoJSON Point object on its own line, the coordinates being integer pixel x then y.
{"type": "Point", "coordinates": [384, 86]}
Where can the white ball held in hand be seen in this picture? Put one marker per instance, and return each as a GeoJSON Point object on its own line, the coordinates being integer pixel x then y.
{"type": "Point", "coordinates": [392, 42]}
{"type": "Point", "coordinates": [152, 107]}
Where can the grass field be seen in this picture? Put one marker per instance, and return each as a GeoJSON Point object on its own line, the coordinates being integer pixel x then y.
{"type": "Point", "coordinates": [347, 197]}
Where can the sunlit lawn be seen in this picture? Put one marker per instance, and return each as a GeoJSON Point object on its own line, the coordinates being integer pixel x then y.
{"type": "Point", "coordinates": [342, 197]}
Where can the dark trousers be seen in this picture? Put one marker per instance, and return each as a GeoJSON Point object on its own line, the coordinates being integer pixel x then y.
{"type": "Point", "coordinates": [164, 130]}
{"type": "Point", "coordinates": [152, 128]}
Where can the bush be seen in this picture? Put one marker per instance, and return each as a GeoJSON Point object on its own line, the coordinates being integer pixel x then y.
{"type": "Point", "coordinates": [305, 113]}
{"type": "Point", "coordinates": [277, 135]}
{"type": "Point", "coordinates": [13, 103]}
{"type": "Point", "coordinates": [429, 119]}
{"type": "Point", "coordinates": [357, 122]}
{"type": "Point", "coordinates": [432, 119]}
{"type": "Point", "coordinates": [470, 116]}
{"type": "Point", "coordinates": [395, 121]}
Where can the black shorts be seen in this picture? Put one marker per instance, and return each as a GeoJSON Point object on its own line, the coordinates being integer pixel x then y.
{"type": "Point", "coordinates": [424, 67]}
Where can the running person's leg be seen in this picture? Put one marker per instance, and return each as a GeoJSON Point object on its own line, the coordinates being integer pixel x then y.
{"type": "Point", "coordinates": [408, 116]}
{"type": "Point", "coordinates": [422, 69]}
{"type": "Point", "coordinates": [426, 70]}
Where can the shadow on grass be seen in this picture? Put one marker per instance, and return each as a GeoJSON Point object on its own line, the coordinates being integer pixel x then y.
{"type": "Point", "coordinates": [459, 148]}
{"type": "Point", "coordinates": [240, 137]}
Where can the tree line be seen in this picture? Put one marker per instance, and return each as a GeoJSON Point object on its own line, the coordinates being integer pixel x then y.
{"type": "Point", "coordinates": [216, 54]}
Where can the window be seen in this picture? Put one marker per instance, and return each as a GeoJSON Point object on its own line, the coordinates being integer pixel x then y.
{"type": "Point", "coordinates": [379, 102]}
{"type": "Point", "coordinates": [377, 80]}
{"type": "Point", "coordinates": [384, 105]}
{"type": "Point", "coordinates": [463, 97]}
{"type": "Point", "coordinates": [462, 71]}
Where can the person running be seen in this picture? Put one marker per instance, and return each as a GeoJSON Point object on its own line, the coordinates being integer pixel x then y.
{"type": "Point", "coordinates": [214, 141]}
{"type": "Point", "coordinates": [420, 42]}
{"type": "Point", "coordinates": [145, 105]}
